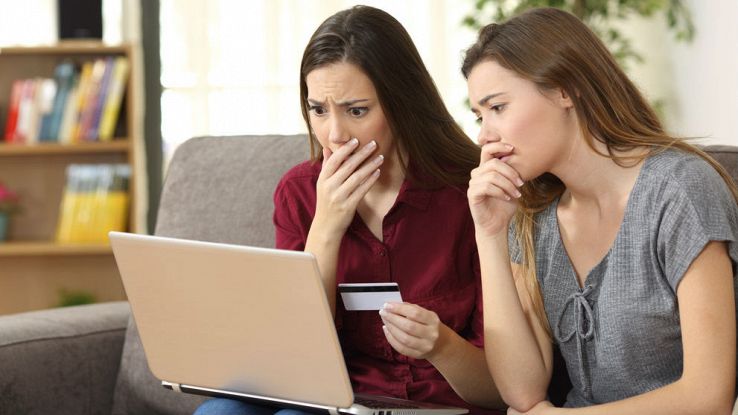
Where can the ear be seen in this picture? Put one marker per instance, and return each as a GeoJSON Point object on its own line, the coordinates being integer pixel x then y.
{"type": "Point", "coordinates": [563, 99]}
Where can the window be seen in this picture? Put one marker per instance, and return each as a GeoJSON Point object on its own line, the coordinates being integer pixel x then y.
{"type": "Point", "coordinates": [232, 67]}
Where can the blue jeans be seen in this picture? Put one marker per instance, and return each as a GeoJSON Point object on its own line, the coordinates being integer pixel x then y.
{"type": "Point", "coordinates": [221, 406]}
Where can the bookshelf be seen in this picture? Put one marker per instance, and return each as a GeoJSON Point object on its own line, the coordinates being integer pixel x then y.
{"type": "Point", "coordinates": [33, 267]}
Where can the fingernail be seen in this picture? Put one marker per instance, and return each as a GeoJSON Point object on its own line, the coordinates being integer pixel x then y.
{"type": "Point", "coordinates": [519, 182]}
{"type": "Point", "coordinates": [381, 311]}
{"type": "Point", "coordinates": [379, 159]}
{"type": "Point", "coordinates": [354, 141]}
{"type": "Point", "coordinates": [387, 306]}
{"type": "Point", "coordinates": [384, 328]}
{"type": "Point", "coordinates": [509, 146]}
{"type": "Point", "coordinates": [517, 194]}
{"type": "Point", "coordinates": [372, 144]}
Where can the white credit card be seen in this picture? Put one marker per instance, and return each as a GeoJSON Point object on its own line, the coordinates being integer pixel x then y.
{"type": "Point", "coordinates": [369, 296]}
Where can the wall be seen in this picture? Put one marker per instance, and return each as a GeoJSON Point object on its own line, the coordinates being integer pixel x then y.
{"type": "Point", "coordinates": [698, 81]}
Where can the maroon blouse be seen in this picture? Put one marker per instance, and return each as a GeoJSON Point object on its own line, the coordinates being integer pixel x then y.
{"type": "Point", "coordinates": [428, 249]}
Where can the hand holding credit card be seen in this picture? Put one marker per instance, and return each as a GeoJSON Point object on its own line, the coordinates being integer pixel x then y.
{"type": "Point", "coordinates": [369, 296]}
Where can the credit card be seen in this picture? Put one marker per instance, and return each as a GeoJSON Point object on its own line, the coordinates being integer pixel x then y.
{"type": "Point", "coordinates": [369, 296]}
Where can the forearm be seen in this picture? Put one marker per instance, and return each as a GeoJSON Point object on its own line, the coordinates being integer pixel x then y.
{"type": "Point", "coordinates": [513, 354]}
{"type": "Point", "coordinates": [678, 398]}
{"type": "Point", "coordinates": [325, 249]}
{"type": "Point", "coordinates": [464, 367]}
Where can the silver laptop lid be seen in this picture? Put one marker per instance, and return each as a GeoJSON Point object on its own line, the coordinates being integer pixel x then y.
{"type": "Point", "coordinates": [215, 315]}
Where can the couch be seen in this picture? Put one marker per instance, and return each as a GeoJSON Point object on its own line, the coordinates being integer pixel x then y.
{"type": "Point", "coordinates": [89, 359]}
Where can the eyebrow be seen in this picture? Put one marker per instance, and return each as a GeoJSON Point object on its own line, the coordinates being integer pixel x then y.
{"type": "Point", "coordinates": [347, 103]}
{"type": "Point", "coordinates": [490, 96]}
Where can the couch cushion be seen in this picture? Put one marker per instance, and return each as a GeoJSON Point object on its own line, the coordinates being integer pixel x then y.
{"type": "Point", "coordinates": [727, 156]}
{"type": "Point", "coordinates": [217, 189]}
{"type": "Point", "coordinates": [61, 361]}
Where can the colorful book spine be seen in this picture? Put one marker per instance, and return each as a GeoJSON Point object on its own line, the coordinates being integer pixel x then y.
{"type": "Point", "coordinates": [93, 132]}
{"type": "Point", "coordinates": [114, 98]}
{"type": "Point", "coordinates": [95, 202]}
{"type": "Point", "coordinates": [82, 93]}
{"type": "Point", "coordinates": [64, 77]}
{"type": "Point", "coordinates": [13, 104]}
{"type": "Point", "coordinates": [87, 111]}
{"type": "Point", "coordinates": [45, 103]}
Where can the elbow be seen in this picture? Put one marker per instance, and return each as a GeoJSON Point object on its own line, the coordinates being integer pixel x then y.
{"type": "Point", "coordinates": [718, 406]}
{"type": "Point", "coordinates": [711, 398]}
{"type": "Point", "coordinates": [522, 400]}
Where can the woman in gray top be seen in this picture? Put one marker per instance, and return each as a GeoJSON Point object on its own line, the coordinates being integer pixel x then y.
{"type": "Point", "coordinates": [597, 232]}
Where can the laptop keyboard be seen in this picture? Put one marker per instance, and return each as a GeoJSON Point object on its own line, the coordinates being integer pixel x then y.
{"type": "Point", "coordinates": [370, 403]}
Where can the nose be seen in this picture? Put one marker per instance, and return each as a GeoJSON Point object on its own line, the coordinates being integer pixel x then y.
{"type": "Point", "coordinates": [337, 134]}
{"type": "Point", "coordinates": [487, 134]}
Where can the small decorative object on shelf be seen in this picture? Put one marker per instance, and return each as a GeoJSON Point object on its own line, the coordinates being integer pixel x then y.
{"type": "Point", "coordinates": [8, 206]}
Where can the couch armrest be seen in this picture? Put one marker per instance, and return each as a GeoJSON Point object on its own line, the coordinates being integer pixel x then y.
{"type": "Point", "coordinates": [61, 361]}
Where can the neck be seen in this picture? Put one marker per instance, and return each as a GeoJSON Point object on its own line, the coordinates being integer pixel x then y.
{"type": "Point", "coordinates": [593, 180]}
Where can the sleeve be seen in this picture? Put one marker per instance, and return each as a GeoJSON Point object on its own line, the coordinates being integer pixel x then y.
{"type": "Point", "coordinates": [476, 335]}
{"type": "Point", "coordinates": [474, 331]}
{"type": "Point", "coordinates": [286, 223]}
{"type": "Point", "coordinates": [697, 207]}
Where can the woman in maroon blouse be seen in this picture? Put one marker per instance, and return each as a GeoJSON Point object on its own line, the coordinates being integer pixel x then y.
{"type": "Point", "coordinates": [384, 200]}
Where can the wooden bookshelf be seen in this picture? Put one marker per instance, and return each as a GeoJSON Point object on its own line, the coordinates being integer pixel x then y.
{"type": "Point", "coordinates": [116, 146]}
{"type": "Point", "coordinates": [43, 248]}
{"type": "Point", "coordinates": [33, 267]}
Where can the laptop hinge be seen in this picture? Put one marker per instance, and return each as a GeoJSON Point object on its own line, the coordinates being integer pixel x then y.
{"type": "Point", "coordinates": [172, 386]}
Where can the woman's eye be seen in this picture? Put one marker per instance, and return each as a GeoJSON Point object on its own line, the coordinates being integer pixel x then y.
{"type": "Point", "coordinates": [358, 111]}
{"type": "Point", "coordinates": [497, 107]}
{"type": "Point", "coordinates": [317, 110]}
{"type": "Point", "coordinates": [478, 119]}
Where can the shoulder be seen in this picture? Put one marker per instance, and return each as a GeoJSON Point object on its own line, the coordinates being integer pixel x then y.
{"type": "Point", "coordinates": [300, 179]}
{"type": "Point", "coordinates": [678, 174]}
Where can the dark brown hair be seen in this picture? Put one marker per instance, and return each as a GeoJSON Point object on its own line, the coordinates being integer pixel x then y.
{"type": "Point", "coordinates": [375, 42]}
{"type": "Point", "coordinates": [553, 49]}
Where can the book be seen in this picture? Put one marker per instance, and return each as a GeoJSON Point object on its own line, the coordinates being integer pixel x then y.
{"type": "Point", "coordinates": [26, 112]}
{"type": "Point", "coordinates": [69, 116]}
{"type": "Point", "coordinates": [83, 87]}
{"type": "Point", "coordinates": [64, 77]}
{"type": "Point", "coordinates": [87, 110]}
{"type": "Point", "coordinates": [15, 96]}
{"type": "Point", "coordinates": [111, 108]}
{"type": "Point", "coordinates": [95, 202]}
{"type": "Point", "coordinates": [45, 104]}
{"type": "Point", "coordinates": [93, 131]}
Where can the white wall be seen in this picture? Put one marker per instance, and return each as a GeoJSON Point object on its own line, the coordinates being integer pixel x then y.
{"type": "Point", "coordinates": [698, 81]}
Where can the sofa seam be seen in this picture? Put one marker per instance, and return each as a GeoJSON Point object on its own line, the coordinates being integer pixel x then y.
{"type": "Point", "coordinates": [70, 337]}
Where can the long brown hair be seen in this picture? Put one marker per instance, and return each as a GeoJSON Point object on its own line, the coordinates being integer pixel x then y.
{"type": "Point", "coordinates": [420, 123]}
{"type": "Point", "coordinates": [554, 49]}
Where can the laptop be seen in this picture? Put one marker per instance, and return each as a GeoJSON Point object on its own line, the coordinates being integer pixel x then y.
{"type": "Point", "coordinates": [244, 323]}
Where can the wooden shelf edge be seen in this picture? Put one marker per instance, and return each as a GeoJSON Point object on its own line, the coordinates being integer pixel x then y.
{"type": "Point", "coordinates": [114, 146]}
{"type": "Point", "coordinates": [43, 248]}
{"type": "Point", "coordinates": [68, 48]}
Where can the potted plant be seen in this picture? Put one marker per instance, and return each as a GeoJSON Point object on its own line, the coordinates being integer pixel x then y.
{"type": "Point", "coordinates": [605, 17]}
{"type": "Point", "coordinates": [8, 206]}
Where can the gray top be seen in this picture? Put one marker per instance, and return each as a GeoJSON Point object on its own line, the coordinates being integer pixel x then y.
{"type": "Point", "coordinates": [620, 334]}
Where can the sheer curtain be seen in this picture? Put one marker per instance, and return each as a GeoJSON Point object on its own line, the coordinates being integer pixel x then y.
{"type": "Point", "coordinates": [232, 66]}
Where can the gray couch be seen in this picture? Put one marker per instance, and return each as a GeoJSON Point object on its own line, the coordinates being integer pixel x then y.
{"type": "Point", "coordinates": [88, 359]}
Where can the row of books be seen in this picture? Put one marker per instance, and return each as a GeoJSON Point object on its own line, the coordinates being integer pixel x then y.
{"type": "Point", "coordinates": [77, 105]}
{"type": "Point", "coordinates": [95, 201]}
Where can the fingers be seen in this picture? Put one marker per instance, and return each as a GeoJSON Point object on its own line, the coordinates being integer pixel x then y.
{"type": "Point", "coordinates": [404, 343]}
{"type": "Point", "coordinates": [496, 149]}
{"type": "Point", "coordinates": [410, 329]}
{"type": "Point", "coordinates": [347, 159]}
{"type": "Point", "coordinates": [497, 179]}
